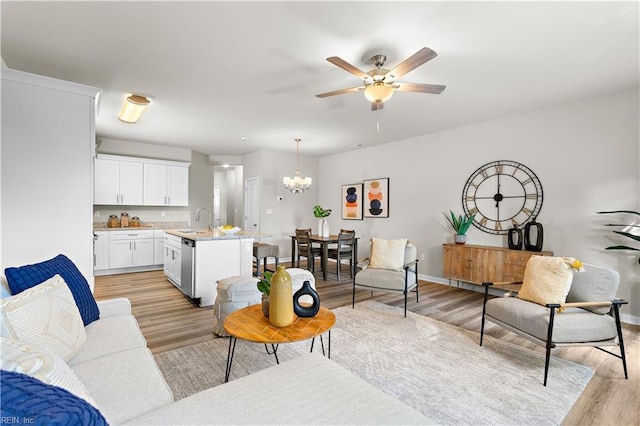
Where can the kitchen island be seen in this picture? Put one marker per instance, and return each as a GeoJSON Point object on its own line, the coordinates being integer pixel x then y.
{"type": "Point", "coordinates": [196, 259]}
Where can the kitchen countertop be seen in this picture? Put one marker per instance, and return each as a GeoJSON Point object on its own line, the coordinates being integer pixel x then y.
{"type": "Point", "coordinates": [215, 234]}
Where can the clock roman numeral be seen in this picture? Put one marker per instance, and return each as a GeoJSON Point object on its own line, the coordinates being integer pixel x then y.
{"type": "Point", "coordinates": [483, 221]}
{"type": "Point", "coordinates": [498, 226]}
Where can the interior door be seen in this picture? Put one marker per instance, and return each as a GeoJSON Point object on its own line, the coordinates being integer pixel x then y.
{"type": "Point", "coordinates": [216, 207]}
{"type": "Point", "coordinates": [251, 209]}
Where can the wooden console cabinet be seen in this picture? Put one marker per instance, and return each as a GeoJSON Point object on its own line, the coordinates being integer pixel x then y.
{"type": "Point", "coordinates": [478, 264]}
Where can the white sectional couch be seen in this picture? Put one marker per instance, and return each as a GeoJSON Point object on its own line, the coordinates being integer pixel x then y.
{"type": "Point", "coordinates": [121, 379]}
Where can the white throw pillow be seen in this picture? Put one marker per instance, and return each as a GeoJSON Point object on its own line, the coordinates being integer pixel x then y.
{"type": "Point", "coordinates": [387, 254]}
{"type": "Point", "coordinates": [547, 279]}
{"type": "Point", "coordinates": [45, 315]}
{"type": "Point", "coordinates": [42, 364]}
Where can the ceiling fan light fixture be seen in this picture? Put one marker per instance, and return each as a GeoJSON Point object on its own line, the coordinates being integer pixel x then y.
{"type": "Point", "coordinates": [297, 184]}
{"type": "Point", "coordinates": [133, 108]}
{"type": "Point", "coordinates": [378, 92]}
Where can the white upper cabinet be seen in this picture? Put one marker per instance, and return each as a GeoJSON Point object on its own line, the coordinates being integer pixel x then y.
{"type": "Point", "coordinates": [166, 185]}
{"type": "Point", "coordinates": [140, 181]}
{"type": "Point", "coordinates": [117, 182]}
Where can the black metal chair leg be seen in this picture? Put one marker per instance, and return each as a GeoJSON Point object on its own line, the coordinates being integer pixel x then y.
{"type": "Point", "coordinates": [620, 340]}
{"type": "Point", "coordinates": [484, 308]}
{"type": "Point", "coordinates": [552, 313]}
{"type": "Point", "coordinates": [353, 295]}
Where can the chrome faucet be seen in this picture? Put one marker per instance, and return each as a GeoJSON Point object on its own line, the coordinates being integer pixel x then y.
{"type": "Point", "coordinates": [208, 216]}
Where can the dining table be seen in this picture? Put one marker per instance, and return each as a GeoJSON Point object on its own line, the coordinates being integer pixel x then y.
{"type": "Point", "coordinates": [324, 243]}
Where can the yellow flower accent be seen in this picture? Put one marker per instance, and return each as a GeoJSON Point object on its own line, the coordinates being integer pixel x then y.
{"type": "Point", "coordinates": [577, 265]}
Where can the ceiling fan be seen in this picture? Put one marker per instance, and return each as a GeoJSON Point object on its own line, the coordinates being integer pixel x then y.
{"type": "Point", "coordinates": [380, 83]}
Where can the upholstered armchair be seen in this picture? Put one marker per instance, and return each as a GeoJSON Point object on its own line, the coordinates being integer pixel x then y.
{"type": "Point", "coordinates": [588, 317]}
{"type": "Point", "coordinates": [392, 266]}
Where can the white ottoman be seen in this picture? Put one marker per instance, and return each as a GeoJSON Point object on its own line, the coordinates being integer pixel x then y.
{"type": "Point", "coordinates": [239, 291]}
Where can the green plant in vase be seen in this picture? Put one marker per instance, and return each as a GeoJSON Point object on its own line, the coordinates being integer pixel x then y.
{"type": "Point", "coordinates": [264, 286]}
{"type": "Point", "coordinates": [323, 225]}
{"type": "Point", "coordinates": [460, 225]}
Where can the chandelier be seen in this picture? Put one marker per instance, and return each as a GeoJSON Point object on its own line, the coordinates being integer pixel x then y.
{"type": "Point", "coordinates": [296, 184]}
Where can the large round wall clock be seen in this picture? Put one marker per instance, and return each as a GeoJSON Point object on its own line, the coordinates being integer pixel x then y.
{"type": "Point", "coordinates": [502, 194]}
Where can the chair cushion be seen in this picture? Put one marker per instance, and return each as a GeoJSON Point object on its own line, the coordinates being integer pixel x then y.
{"type": "Point", "coordinates": [387, 254]}
{"type": "Point", "coordinates": [573, 325]}
{"type": "Point", "coordinates": [45, 315]}
{"type": "Point", "coordinates": [24, 277]}
{"type": "Point", "coordinates": [384, 279]}
{"type": "Point", "coordinates": [42, 364]}
{"type": "Point", "coordinates": [37, 403]}
{"type": "Point", "coordinates": [547, 279]}
{"type": "Point", "coordinates": [595, 284]}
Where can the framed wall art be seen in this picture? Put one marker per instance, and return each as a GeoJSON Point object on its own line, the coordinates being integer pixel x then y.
{"type": "Point", "coordinates": [352, 201]}
{"type": "Point", "coordinates": [376, 195]}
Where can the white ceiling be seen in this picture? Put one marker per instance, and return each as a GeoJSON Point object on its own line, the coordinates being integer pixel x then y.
{"type": "Point", "coordinates": [221, 71]}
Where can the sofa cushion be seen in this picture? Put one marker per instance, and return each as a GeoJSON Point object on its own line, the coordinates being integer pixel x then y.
{"type": "Point", "coordinates": [110, 335]}
{"type": "Point", "coordinates": [385, 279]}
{"type": "Point", "coordinates": [596, 284]}
{"type": "Point", "coordinates": [124, 384]}
{"type": "Point", "coordinates": [24, 277]}
{"type": "Point", "coordinates": [310, 389]}
{"type": "Point", "coordinates": [387, 254]}
{"type": "Point", "coordinates": [547, 279]}
{"type": "Point", "coordinates": [42, 364]}
{"type": "Point", "coordinates": [573, 325]}
{"type": "Point", "coordinates": [47, 316]}
{"type": "Point", "coordinates": [37, 403]}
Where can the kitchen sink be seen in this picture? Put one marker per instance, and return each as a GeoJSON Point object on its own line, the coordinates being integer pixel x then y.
{"type": "Point", "coordinates": [192, 231]}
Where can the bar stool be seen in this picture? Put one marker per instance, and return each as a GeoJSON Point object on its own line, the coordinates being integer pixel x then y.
{"type": "Point", "coordinates": [260, 252]}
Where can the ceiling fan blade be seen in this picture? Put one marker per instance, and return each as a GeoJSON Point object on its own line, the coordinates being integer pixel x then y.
{"type": "Point", "coordinates": [377, 106]}
{"type": "Point", "coordinates": [412, 62]}
{"type": "Point", "coordinates": [347, 67]}
{"type": "Point", "coordinates": [436, 89]}
{"type": "Point", "coordinates": [340, 92]}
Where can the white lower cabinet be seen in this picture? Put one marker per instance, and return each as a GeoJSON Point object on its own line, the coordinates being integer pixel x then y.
{"type": "Point", "coordinates": [158, 247]}
{"type": "Point", "coordinates": [173, 258]}
{"type": "Point", "coordinates": [131, 248]}
{"type": "Point", "coordinates": [101, 251]}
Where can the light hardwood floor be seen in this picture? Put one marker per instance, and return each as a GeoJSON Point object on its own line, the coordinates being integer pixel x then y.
{"type": "Point", "coordinates": [169, 320]}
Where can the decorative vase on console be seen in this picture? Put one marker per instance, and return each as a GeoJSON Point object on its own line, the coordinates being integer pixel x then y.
{"type": "Point", "coordinates": [281, 298]}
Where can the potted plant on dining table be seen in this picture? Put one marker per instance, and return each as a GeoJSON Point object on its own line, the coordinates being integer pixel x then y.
{"type": "Point", "coordinates": [323, 225]}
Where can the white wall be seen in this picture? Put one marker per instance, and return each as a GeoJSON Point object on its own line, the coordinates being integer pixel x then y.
{"type": "Point", "coordinates": [48, 138]}
{"type": "Point", "coordinates": [295, 211]}
{"type": "Point", "coordinates": [585, 153]}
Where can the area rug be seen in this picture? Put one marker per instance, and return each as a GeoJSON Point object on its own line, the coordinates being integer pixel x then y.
{"type": "Point", "coordinates": [434, 367]}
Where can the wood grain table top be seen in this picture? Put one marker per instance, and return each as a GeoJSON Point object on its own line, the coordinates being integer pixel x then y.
{"type": "Point", "coordinates": [250, 324]}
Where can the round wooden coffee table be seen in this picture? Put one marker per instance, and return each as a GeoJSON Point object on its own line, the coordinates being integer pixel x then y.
{"type": "Point", "coordinates": [251, 325]}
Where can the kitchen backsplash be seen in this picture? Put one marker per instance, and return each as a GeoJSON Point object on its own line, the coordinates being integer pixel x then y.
{"type": "Point", "coordinates": [157, 217]}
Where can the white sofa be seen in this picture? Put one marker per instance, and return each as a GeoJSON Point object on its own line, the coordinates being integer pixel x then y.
{"type": "Point", "coordinates": [121, 376]}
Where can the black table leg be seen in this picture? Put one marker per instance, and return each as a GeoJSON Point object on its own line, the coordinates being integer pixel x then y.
{"type": "Point", "coordinates": [232, 349]}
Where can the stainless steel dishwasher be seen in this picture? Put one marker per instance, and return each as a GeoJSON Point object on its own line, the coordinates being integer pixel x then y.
{"type": "Point", "coordinates": [187, 269]}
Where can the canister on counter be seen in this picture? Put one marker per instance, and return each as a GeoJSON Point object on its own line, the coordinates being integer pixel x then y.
{"type": "Point", "coordinates": [124, 220]}
{"type": "Point", "coordinates": [113, 221]}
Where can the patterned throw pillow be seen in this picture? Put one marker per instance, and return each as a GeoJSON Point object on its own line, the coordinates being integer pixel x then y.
{"type": "Point", "coordinates": [37, 403]}
{"type": "Point", "coordinates": [547, 279]}
{"type": "Point", "coordinates": [45, 315]}
{"type": "Point", "coordinates": [24, 277]}
{"type": "Point", "coordinates": [42, 364]}
{"type": "Point", "coordinates": [387, 254]}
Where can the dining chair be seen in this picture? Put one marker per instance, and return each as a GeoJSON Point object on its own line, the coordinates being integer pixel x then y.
{"type": "Point", "coordinates": [344, 250]}
{"type": "Point", "coordinates": [306, 248]}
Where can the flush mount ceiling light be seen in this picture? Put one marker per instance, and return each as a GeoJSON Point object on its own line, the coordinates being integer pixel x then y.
{"type": "Point", "coordinates": [296, 184]}
{"type": "Point", "coordinates": [133, 108]}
